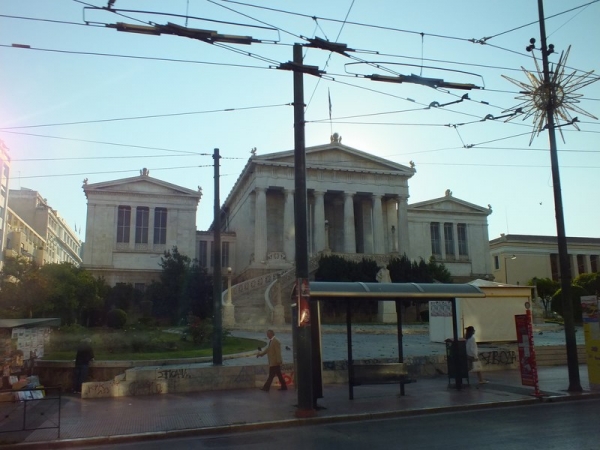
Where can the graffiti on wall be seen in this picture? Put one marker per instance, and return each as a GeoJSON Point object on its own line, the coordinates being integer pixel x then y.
{"type": "Point", "coordinates": [498, 357]}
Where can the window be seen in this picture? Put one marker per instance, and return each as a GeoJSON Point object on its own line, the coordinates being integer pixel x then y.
{"type": "Point", "coordinates": [594, 263]}
{"type": "Point", "coordinates": [224, 254]}
{"type": "Point", "coordinates": [142, 214]}
{"type": "Point", "coordinates": [554, 266]}
{"type": "Point", "coordinates": [496, 262]}
{"type": "Point", "coordinates": [123, 224]}
{"type": "Point", "coordinates": [436, 248]}
{"type": "Point", "coordinates": [203, 253]}
{"type": "Point", "coordinates": [139, 287]}
{"type": "Point", "coordinates": [212, 254]}
{"type": "Point", "coordinates": [463, 247]}
{"type": "Point", "coordinates": [160, 226]}
{"type": "Point", "coordinates": [449, 239]}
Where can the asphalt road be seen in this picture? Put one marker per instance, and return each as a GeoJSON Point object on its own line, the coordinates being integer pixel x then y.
{"type": "Point", "coordinates": [571, 425]}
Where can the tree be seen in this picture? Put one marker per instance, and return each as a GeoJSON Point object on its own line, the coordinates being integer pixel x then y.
{"type": "Point", "coordinates": [184, 288]}
{"type": "Point", "coordinates": [72, 293]}
{"type": "Point", "coordinates": [23, 290]}
{"type": "Point", "coordinates": [590, 282]}
{"type": "Point", "coordinates": [546, 288]}
{"type": "Point", "coordinates": [576, 293]}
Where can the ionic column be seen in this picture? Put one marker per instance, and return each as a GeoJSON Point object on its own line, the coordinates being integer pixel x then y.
{"type": "Point", "coordinates": [574, 266]}
{"type": "Point", "coordinates": [402, 228]}
{"type": "Point", "coordinates": [319, 222]}
{"type": "Point", "coordinates": [588, 264]}
{"type": "Point", "coordinates": [349, 231]}
{"type": "Point", "coordinates": [289, 229]}
{"type": "Point", "coordinates": [377, 225]}
{"type": "Point", "coordinates": [260, 224]}
{"type": "Point", "coordinates": [455, 232]}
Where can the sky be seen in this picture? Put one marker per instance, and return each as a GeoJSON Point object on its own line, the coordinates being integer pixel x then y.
{"type": "Point", "coordinates": [88, 101]}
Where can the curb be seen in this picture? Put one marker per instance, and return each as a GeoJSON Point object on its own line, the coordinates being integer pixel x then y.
{"type": "Point", "coordinates": [286, 423]}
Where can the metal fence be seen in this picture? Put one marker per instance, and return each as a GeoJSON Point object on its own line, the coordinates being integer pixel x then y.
{"type": "Point", "coordinates": [30, 409]}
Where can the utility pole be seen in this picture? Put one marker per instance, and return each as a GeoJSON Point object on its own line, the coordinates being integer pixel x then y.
{"type": "Point", "coordinates": [304, 354]}
{"type": "Point", "coordinates": [217, 281]}
{"type": "Point", "coordinates": [563, 255]}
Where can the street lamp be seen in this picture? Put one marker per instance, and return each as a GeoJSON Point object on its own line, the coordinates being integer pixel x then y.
{"type": "Point", "coordinates": [228, 308]}
{"type": "Point", "coordinates": [506, 267]}
{"type": "Point", "coordinates": [229, 270]}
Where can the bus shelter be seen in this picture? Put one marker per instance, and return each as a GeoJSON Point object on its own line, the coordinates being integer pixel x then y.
{"type": "Point", "coordinates": [353, 292]}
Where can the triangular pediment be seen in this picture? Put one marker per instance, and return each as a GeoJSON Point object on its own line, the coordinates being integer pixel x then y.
{"type": "Point", "coordinates": [448, 203]}
{"type": "Point", "coordinates": [336, 156]}
{"type": "Point", "coordinates": [142, 184]}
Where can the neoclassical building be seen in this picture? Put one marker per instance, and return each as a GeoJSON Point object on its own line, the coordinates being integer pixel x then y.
{"type": "Point", "coordinates": [517, 258]}
{"type": "Point", "coordinates": [36, 231]}
{"type": "Point", "coordinates": [357, 207]}
{"type": "Point", "coordinates": [131, 222]}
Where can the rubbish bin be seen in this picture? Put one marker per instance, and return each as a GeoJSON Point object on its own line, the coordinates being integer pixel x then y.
{"type": "Point", "coordinates": [458, 366]}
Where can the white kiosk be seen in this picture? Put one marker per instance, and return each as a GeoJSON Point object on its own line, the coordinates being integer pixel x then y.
{"type": "Point", "coordinates": [493, 316]}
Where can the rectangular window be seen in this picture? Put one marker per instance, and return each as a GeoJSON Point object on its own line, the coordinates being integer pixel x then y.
{"type": "Point", "coordinates": [463, 247]}
{"type": "Point", "coordinates": [203, 253]}
{"type": "Point", "coordinates": [160, 226]}
{"type": "Point", "coordinates": [139, 287]}
{"type": "Point", "coordinates": [142, 215]}
{"type": "Point", "coordinates": [212, 254]}
{"type": "Point", "coordinates": [554, 266]}
{"type": "Point", "coordinates": [123, 224]}
{"type": "Point", "coordinates": [594, 263]}
{"type": "Point", "coordinates": [449, 239]}
{"type": "Point", "coordinates": [224, 254]}
{"type": "Point", "coordinates": [436, 248]}
{"type": "Point", "coordinates": [496, 262]}
{"type": "Point", "coordinates": [580, 264]}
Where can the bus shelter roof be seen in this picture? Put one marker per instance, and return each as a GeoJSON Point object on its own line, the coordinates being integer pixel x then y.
{"type": "Point", "coordinates": [392, 291]}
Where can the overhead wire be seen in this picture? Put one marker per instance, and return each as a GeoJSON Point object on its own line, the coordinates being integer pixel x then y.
{"type": "Point", "coordinates": [109, 172]}
{"type": "Point", "coordinates": [328, 57]}
{"type": "Point", "coordinates": [380, 27]}
{"type": "Point", "coordinates": [116, 144]}
{"type": "Point", "coordinates": [150, 116]}
{"type": "Point", "coordinates": [546, 18]}
{"type": "Point", "coordinates": [114, 55]}
{"type": "Point", "coordinates": [268, 60]}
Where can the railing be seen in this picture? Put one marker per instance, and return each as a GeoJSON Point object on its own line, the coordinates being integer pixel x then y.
{"type": "Point", "coordinates": [272, 294]}
{"type": "Point", "coordinates": [30, 409]}
{"type": "Point", "coordinates": [253, 283]}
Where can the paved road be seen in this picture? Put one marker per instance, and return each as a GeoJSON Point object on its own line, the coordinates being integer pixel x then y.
{"type": "Point", "coordinates": [560, 426]}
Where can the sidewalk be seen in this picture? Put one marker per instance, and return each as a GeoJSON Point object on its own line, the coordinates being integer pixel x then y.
{"type": "Point", "coordinates": [110, 420]}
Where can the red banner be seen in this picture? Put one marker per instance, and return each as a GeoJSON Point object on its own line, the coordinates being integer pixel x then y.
{"type": "Point", "coordinates": [527, 363]}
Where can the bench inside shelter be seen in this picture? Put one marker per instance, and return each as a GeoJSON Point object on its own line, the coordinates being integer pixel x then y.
{"type": "Point", "coordinates": [386, 373]}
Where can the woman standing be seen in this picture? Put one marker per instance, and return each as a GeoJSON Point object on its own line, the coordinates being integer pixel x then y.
{"type": "Point", "coordinates": [473, 354]}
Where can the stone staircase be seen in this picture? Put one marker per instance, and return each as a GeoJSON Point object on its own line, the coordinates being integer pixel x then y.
{"type": "Point", "coordinates": [248, 299]}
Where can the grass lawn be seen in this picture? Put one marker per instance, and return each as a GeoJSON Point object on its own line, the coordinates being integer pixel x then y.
{"type": "Point", "coordinates": [112, 345]}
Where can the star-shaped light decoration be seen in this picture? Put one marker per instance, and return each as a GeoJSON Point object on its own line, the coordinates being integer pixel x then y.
{"type": "Point", "coordinates": [558, 93]}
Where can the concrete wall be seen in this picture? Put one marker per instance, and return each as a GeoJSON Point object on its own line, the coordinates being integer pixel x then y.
{"type": "Point", "coordinates": [131, 378]}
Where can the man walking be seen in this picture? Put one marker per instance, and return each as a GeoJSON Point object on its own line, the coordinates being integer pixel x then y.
{"type": "Point", "coordinates": [273, 352]}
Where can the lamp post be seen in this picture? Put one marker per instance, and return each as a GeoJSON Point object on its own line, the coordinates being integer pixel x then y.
{"type": "Point", "coordinates": [228, 308]}
{"type": "Point", "coordinates": [506, 267]}
{"type": "Point", "coordinates": [229, 270]}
